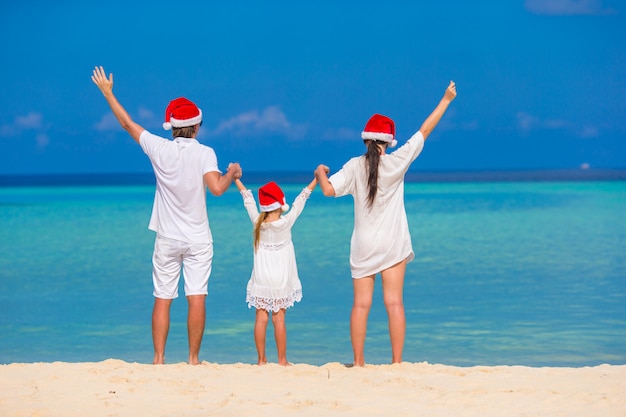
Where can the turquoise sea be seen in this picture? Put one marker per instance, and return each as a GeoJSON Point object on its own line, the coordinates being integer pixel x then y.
{"type": "Point", "coordinates": [508, 270]}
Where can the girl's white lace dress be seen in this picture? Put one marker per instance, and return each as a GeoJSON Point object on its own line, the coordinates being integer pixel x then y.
{"type": "Point", "coordinates": [274, 283]}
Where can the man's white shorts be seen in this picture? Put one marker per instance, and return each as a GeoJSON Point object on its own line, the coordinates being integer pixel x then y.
{"type": "Point", "coordinates": [169, 256]}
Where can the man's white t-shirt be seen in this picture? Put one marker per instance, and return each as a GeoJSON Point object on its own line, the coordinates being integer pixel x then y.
{"type": "Point", "coordinates": [179, 211]}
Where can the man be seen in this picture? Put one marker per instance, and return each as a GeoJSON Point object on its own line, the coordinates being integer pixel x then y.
{"type": "Point", "coordinates": [183, 168]}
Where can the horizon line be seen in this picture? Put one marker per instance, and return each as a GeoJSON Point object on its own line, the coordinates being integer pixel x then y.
{"type": "Point", "coordinates": [293, 176]}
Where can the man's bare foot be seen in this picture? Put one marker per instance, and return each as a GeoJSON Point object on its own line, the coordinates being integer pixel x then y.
{"type": "Point", "coordinates": [354, 365]}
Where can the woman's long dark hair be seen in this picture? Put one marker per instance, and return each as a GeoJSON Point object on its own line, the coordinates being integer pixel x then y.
{"type": "Point", "coordinates": [372, 158]}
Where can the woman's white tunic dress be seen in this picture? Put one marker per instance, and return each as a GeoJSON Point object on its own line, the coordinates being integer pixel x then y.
{"type": "Point", "coordinates": [381, 236]}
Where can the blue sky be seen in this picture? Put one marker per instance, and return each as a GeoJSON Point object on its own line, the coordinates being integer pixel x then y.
{"type": "Point", "coordinates": [286, 85]}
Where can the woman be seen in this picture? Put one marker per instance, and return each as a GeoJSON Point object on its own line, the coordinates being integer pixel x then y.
{"type": "Point", "coordinates": [381, 242]}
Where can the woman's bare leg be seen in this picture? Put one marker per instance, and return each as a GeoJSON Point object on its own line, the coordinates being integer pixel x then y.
{"type": "Point", "coordinates": [393, 286]}
{"type": "Point", "coordinates": [363, 292]}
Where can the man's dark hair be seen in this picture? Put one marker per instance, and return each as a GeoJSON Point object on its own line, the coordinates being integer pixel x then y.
{"type": "Point", "coordinates": [183, 132]}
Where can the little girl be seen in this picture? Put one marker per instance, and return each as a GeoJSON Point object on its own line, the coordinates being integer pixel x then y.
{"type": "Point", "coordinates": [274, 284]}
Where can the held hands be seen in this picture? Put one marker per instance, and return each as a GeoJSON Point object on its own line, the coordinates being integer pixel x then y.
{"type": "Point", "coordinates": [235, 169]}
{"type": "Point", "coordinates": [99, 78]}
{"type": "Point", "coordinates": [321, 169]}
{"type": "Point", "coordinates": [450, 93]}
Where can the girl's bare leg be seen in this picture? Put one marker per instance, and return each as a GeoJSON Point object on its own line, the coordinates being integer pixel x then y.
{"type": "Point", "coordinates": [393, 286]}
{"type": "Point", "coordinates": [363, 291]}
{"type": "Point", "coordinates": [280, 334]}
{"type": "Point", "coordinates": [260, 328]}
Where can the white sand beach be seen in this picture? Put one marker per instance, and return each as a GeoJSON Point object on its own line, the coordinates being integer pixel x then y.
{"type": "Point", "coordinates": [118, 388]}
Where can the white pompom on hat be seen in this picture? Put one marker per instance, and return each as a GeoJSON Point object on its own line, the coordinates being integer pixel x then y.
{"type": "Point", "coordinates": [380, 127]}
{"type": "Point", "coordinates": [181, 113]}
{"type": "Point", "coordinates": [272, 197]}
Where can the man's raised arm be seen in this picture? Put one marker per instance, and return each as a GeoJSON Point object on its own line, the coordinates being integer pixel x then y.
{"type": "Point", "coordinates": [106, 87]}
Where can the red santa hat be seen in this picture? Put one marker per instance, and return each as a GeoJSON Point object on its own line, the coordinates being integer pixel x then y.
{"type": "Point", "coordinates": [272, 197]}
{"type": "Point", "coordinates": [181, 113]}
{"type": "Point", "coordinates": [381, 128]}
